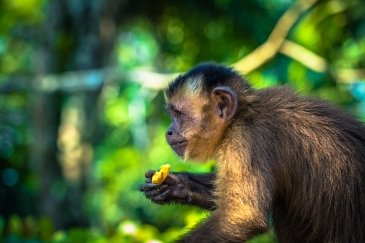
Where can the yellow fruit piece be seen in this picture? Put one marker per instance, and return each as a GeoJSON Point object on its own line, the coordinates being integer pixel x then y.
{"type": "Point", "coordinates": [161, 175]}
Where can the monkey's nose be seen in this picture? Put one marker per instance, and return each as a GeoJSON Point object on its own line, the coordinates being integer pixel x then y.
{"type": "Point", "coordinates": [169, 133]}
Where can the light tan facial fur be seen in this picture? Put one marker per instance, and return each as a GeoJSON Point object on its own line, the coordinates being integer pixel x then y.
{"type": "Point", "coordinates": [202, 127]}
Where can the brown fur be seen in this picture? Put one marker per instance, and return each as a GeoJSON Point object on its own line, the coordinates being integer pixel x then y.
{"type": "Point", "coordinates": [299, 160]}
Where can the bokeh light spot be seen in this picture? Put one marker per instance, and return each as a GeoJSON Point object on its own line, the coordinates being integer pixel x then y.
{"type": "Point", "coordinates": [358, 90]}
{"type": "Point", "coordinates": [9, 176]}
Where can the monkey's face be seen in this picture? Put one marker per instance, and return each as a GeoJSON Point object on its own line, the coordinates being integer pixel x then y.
{"type": "Point", "coordinates": [197, 125]}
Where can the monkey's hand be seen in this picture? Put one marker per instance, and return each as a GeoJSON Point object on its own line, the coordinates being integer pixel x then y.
{"type": "Point", "coordinates": [173, 189]}
{"type": "Point", "coordinates": [183, 188]}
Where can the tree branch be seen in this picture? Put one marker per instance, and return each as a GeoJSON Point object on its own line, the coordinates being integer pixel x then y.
{"type": "Point", "coordinates": [271, 47]}
{"type": "Point", "coordinates": [304, 56]}
{"type": "Point", "coordinates": [87, 80]}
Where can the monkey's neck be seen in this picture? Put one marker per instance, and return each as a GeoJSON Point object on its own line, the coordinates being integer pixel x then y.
{"type": "Point", "coordinates": [234, 171]}
{"type": "Point", "coordinates": [234, 142]}
{"type": "Point", "coordinates": [233, 155]}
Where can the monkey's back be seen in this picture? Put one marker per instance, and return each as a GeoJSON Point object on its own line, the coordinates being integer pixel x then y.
{"type": "Point", "coordinates": [317, 154]}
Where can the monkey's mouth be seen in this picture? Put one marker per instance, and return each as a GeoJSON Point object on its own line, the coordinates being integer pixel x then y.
{"type": "Point", "coordinates": [179, 147]}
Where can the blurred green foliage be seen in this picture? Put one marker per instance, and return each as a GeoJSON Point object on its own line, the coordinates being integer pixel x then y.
{"type": "Point", "coordinates": [164, 36]}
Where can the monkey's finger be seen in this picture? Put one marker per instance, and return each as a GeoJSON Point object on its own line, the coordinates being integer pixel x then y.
{"type": "Point", "coordinates": [162, 198]}
{"type": "Point", "coordinates": [150, 194]}
{"type": "Point", "coordinates": [153, 193]}
{"type": "Point", "coordinates": [151, 186]}
{"type": "Point", "coordinates": [147, 187]}
{"type": "Point", "coordinates": [157, 190]}
{"type": "Point", "coordinates": [141, 188]}
{"type": "Point", "coordinates": [149, 173]}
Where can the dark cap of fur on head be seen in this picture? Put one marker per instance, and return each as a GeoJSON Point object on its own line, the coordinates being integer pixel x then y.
{"type": "Point", "coordinates": [212, 75]}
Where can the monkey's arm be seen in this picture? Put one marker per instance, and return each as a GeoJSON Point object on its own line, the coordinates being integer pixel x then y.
{"type": "Point", "coordinates": [242, 212]}
{"type": "Point", "coordinates": [183, 187]}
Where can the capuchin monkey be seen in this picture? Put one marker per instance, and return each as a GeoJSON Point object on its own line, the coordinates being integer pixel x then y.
{"type": "Point", "coordinates": [297, 160]}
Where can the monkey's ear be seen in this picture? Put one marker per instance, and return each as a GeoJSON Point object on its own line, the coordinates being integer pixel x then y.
{"type": "Point", "coordinates": [226, 101]}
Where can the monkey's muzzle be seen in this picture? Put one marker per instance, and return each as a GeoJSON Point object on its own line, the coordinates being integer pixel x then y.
{"type": "Point", "coordinates": [179, 147]}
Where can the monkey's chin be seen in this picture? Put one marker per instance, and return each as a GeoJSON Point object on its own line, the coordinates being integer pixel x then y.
{"type": "Point", "coordinates": [180, 149]}
{"type": "Point", "coordinates": [189, 155]}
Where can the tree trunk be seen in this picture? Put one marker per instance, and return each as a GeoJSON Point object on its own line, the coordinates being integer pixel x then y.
{"type": "Point", "coordinates": [76, 35]}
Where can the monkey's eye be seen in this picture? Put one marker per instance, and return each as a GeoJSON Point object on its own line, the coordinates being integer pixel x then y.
{"type": "Point", "coordinates": [177, 113]}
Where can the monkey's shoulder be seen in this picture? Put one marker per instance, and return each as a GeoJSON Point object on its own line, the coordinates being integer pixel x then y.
{"type": "Point", "coordinates": [286, 98]}
{"type": "Point", "coordinates": [285, 103]}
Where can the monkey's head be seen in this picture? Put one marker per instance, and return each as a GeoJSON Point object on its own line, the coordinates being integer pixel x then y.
{"type": "Point", "coordinates": [202, 103]}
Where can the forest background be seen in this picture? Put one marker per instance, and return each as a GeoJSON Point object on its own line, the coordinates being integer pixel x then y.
{"type": "Point", "coordinates": [82, 106]}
